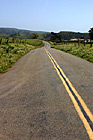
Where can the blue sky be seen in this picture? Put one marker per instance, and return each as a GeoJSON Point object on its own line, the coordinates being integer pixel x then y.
{"type": "Point", "coordinates": [47, 15]}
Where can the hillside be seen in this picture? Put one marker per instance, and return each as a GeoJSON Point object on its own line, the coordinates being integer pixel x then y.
{"type": "Point", "coordinates": [27, 34]}
{"type": "Point", "coordinates": [9, 31]}
{"type": "Point", "coordinates": [71, 35]}
{"type": "Point", "coordinates": [61, 36]}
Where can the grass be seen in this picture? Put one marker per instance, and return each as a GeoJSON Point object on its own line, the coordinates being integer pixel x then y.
{"type": "Point", "coordinates": [13, 50]}
{"type": "Point", "coordinates": [85, 52]}
{"type": "Point", "coordinates": [35, 42]}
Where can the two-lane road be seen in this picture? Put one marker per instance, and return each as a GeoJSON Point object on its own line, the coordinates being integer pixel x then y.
{"type": "Point", "coordinates": [47, 95]}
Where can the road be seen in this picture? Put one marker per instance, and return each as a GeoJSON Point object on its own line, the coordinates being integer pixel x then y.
{"type": "Point", "coordinates": [36, 103]}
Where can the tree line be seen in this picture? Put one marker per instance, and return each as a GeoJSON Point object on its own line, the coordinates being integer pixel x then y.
{"type": "Point", "coordinates": [56, 37]}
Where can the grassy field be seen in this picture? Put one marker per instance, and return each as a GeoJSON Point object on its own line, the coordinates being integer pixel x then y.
{"type": "Point", "coordinates": [13, 49]}
{"type": "Point", "coordinates": [35, 42]}
{"type": "Point", "coordinates": [85, 52]}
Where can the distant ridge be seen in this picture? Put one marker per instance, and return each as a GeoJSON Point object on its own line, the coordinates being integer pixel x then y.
{"type": "Point", "coordinates": [9, 31]}
{"type": "Point", "coordinates": [48, 36]}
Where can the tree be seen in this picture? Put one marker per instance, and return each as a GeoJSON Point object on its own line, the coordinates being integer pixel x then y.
{"type": "Point", "coordinates": [34, 36]}
{"type": "Point", "coordinates": [1, 41]}
{"type": "Point", "coordinates": [55, 37]}
{"type": "Point", "coordinates": [7, 41]}
{"type": "Point", "coordinates": [91, 35]}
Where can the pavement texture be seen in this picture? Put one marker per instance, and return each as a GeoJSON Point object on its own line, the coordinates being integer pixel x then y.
{"type": "Point", "coordinates": [34, 104]}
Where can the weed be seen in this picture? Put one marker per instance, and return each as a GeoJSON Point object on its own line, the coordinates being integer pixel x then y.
{"type": "Point", "coordinates": [11, 50]}
{"type": "Point", "coordinates": [85, 52]}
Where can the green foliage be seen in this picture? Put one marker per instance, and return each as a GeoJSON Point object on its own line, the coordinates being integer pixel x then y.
{"type": "Point", "coordinates": [91, 33]}
{"type": "Point", "coordinates": [12, 49]}
{"type": "Point", "coordinates": [26, 34]}
{"type": "Point", "coordinates": [35, 42]}
{"type": "Point", "coordinates": [85, 52]}
{"type": "Point", "coordinates": [17, 32]}
{"type": "Point", "coordinates": [1, 41]}
{"type": "Point", "coordinates": [72, 35]}
{"type": "Point", "coordinates": [32, 36]}
{"type": "Point", "coordinates": [61, 36]}
{"type": "Point", "coordinates": [56, 37]}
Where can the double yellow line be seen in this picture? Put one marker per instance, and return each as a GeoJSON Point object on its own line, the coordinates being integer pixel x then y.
{"type": "Point", "coordinates": [80, 106]}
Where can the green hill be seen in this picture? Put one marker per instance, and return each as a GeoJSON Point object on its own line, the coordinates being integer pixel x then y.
{"type": "Point", "coordinates": [71, 35]}
{"type": "Point", "coordinates": [27, 34]}
{"type": "Point", "coordinates": [9, 31]}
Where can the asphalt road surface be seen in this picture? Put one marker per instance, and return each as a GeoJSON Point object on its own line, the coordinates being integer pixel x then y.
{"type": "Point", "coordinates": [38, 100]}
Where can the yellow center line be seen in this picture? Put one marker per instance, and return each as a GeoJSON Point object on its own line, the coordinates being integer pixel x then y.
{"type": "Point", "coordinates": [80, 113]}
{"type": "Point", "coordinates": [79, 97]}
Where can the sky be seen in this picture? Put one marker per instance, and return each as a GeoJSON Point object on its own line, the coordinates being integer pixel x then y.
{"type": "Point", "coordinates": [47, 15]}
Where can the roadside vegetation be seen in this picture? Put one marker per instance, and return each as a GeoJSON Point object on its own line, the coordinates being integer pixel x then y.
{"type": "Point", "coordinates": [16, 43]}
{"type": "Point", "coordinates": [84, 51]}
{"type": "Point", "coordinates": [12, 49]}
